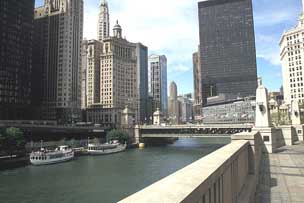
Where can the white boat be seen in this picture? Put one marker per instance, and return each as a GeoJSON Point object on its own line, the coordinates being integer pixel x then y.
{"type": "Point", "coordinates": [101, 149]}
{"type": "Point", "coordinates": [44, 157]}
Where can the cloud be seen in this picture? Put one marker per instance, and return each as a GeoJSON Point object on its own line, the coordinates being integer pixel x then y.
{"type": "Point", "coordinates": [170, 27]}
{"type": "Point", "coordinates": [273, 18]}
{"type": "Point", "coordinates": [180, 68]}
{"type": "Point", "coordinates": [167, 27]}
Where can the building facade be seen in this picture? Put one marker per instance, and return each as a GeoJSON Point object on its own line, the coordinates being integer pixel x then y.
{"type": "Point", "coordinates": [142, 82]}
{"type": "Point", "coordinates": [103, 26]}
{"type": "Point", "coordinates": [118, 80]}
{"type": "Point", "coordinates": [16, 31]}
{"type": "Point", "coordinates": [57, 60]}
{"type": "Point", "coordinates": [84, 59]}
{"type": "Point", "coordinates": [197, 78]}
{"type": "Point", "coordinates": [227, 48]}
{"type": "Point", "coordinates": [173, 105]}
{"type": "Point", "coordinates": [292, 59]}
{"type": "Point", "coordinates": [157, 80]}
{"type": "Point", "coordinates": [93, 73]}
{"type": "Point", "coordinates": [185, 108]}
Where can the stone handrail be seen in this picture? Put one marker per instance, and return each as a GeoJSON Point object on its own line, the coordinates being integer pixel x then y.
{"type": "Point", "coordinates": [226, 175]}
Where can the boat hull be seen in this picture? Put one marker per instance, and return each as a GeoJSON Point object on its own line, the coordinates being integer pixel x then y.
{"type": "Point", "coordinates": [52, 161]}
{"type": "Point", "coordinates": [118, 149]}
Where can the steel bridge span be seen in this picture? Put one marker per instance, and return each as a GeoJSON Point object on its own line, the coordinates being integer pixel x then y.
{"type": "Point", "coordinates": [191, 130]}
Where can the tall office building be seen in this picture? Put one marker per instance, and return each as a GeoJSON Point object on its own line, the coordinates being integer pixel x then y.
{"type": "Point", "coordinates": [158, 82]}
{"type": "Point", "coordinates": [185, 108]}
{"type": "Point", "coordinates": [142, 82]}
{"type": "Point", "coordinates": [292, 59]}
{"type": "Point", "coordinates": [84, 61]}
{"type": "Point", "coordinates": [94, 50]}
{"type": "Point", "coordinates": [57, 60]}
{"type": "Point", "coordinates": [103, 26]}
{"type": "Point", "coordinates": [118, 80]}
{"type": "Point", "coordinates": [227, 48]}
{"type": "Point", "coordinates": [197, 78]}
{"type": "Point", "coordinates": [173, 104]}
{"type": "Point", "coordinates": [16, 31]}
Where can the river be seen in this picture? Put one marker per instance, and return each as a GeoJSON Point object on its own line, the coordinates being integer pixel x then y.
{"type": "Point", "coordinates": [103, 179]}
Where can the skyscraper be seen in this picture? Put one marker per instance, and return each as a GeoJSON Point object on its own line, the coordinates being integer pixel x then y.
{"type": "Point", "coordinates": [16, 31]}
{"type": "Point", "coordinates": [94, 50]}
{"type": "Point", "coordinates": [57, 60]}
{"type": "Point", "coordinates": [173, 104]}
{"type": "Point", "coordinates": [142, 82]}
{"type": "Point", "coordinates": [84, 61]}
{"type": "Point", "coordinates": [292, 59]}
{"type": "Point", "coordinates": [227, 48]}
{"type": "Point", "coordinates": [197, 78]}
{"type": "Point", "coordinates": [158, 82]}
{"type": "Point", "coordinates": [103, 26]}
{"type": "Point", "coordinates": [118, 80]}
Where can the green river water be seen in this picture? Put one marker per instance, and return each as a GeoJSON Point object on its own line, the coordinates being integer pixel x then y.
{"type": "Point", "coordinates": [103, 179]}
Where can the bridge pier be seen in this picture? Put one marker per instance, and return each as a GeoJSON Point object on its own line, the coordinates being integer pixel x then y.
{"type": "Point", "coordinates": [137, 134]}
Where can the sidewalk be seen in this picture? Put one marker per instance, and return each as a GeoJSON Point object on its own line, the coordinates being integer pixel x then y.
{"type": "Point", "coordinates": [282, 176]}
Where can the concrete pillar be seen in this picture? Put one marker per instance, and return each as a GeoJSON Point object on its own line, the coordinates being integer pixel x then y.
{"type": "Point", "coordinates": [295, 113]}
{"type": "Point", "coordinates": [157, 117]}
{"type": "Point", "coordinates": [137, 134]}
{"type": "Point", "coordinates": [262, 119]}
{"type": "Point", "coordinates": [263, 122]}
{"type": "Point", "coordinates": [127, 117]}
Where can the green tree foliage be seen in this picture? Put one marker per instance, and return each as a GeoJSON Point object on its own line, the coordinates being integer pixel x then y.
{"type": "Point", "coordinates": [12, 140]}
{"type": "Point", "coordinates": [119, 135]}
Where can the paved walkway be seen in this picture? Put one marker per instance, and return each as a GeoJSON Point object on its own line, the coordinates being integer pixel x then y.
{"type": "Point", "coordinates": [282, 176]}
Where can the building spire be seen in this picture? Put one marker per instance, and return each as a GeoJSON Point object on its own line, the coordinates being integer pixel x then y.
{"type": "Point", "coordinates": [104, 2]}
{"type": "Point", "coordinates": [117, 31]}
{"type": "Point", "coordinates": [103, 27]}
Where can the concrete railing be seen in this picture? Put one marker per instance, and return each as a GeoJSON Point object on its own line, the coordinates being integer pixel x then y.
{"type": "Point", "coordinates": [227, 175]}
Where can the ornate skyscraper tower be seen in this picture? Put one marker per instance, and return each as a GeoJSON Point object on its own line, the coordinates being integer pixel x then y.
{"type": "Point", "coordinates": [103, 26]}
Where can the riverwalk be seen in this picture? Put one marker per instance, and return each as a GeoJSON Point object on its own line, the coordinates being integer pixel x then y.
{"type": "Point", "coordinates": [282, 176]}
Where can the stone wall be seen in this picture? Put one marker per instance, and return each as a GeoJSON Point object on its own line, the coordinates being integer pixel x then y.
{"type": "Point", "coordinates": [226, 175]}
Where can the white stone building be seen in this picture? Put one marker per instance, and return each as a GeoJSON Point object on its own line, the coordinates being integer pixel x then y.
{"type": "Point", "coordinates": [118, 80]}
{"type": "Point", "coordinates": [103, 26]}
{"type": "Point", "coordinates": [292, 59]}
{"type": "Point", "coordinates": [58, 35]}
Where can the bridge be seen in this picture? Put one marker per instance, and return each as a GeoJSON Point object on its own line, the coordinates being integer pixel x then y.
{"type": "Point", "coordinates": [176, 131]}
{"type": "Point", "coordinates": [50, 132]}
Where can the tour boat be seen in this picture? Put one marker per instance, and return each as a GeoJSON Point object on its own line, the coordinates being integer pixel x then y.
{"type": "Point", "coordinates": [100, 149]}
{"type": "Point", "coordinates": [60, 154]}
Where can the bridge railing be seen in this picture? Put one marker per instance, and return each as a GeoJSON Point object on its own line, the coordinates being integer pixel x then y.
{"type": "Point", "coordinates": [226, 175]}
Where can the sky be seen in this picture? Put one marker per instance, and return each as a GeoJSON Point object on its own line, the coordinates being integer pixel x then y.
{"type": "Point", "coordinates": [170, 27]}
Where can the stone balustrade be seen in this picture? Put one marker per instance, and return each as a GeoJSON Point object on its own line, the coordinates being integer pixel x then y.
{"type": "Point", "coordinates": [227, 175]}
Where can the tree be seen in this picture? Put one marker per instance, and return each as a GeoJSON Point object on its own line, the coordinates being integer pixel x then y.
{"type": "Point", "coordinates": [119, 135]}
{"type": "Point", "coordinates": [12, 140]}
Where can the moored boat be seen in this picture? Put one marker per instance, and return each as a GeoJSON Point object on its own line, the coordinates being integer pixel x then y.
{"type": "Point", "coordinates": [44, 157]}
{"type": "Point", "coordinates": [101, 149]}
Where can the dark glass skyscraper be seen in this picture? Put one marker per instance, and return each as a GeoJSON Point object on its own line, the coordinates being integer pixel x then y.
{"type": "Point", "coordinates": [16, 31]}
{"type": "Point", "coordinates": [227, 49]}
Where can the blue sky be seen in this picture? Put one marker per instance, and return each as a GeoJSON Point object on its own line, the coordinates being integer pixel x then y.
{"type": "Point", "coordinates": [170, 27]}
